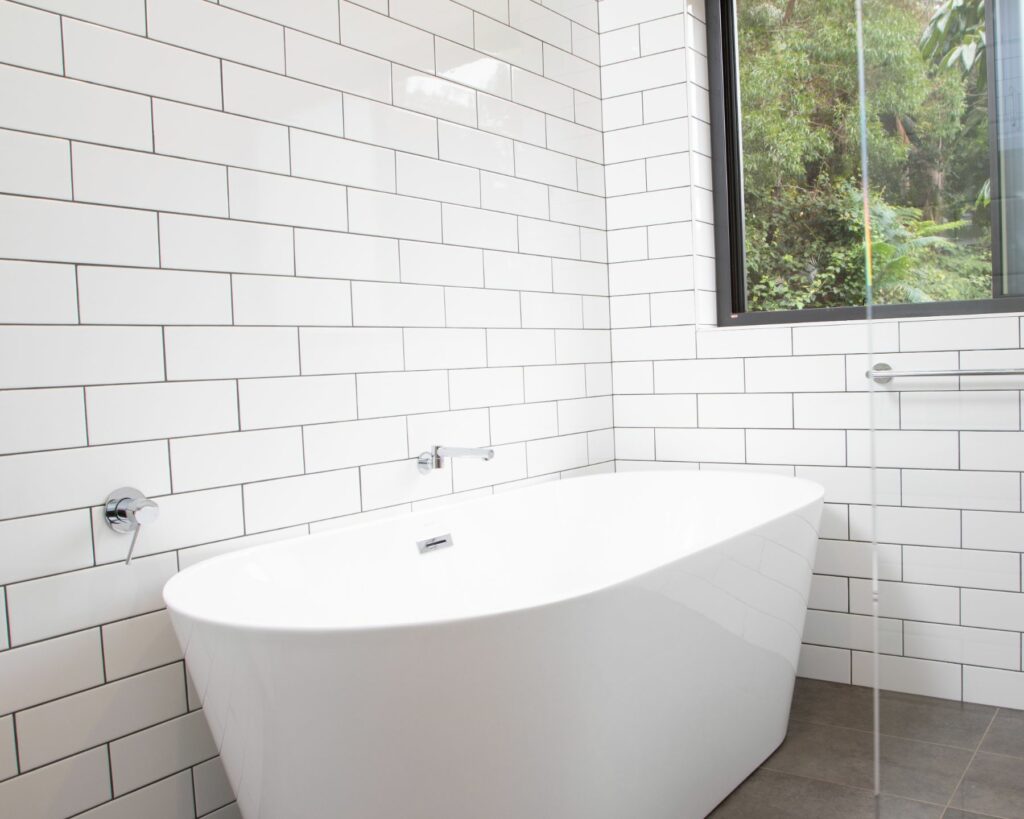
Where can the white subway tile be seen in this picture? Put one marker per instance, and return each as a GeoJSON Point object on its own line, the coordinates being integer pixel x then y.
{"type": "Point", "coordinates": [398, 305]}
{"type": "Point", "coordinates": [992, 450]}
{"type": "Point", "coordinates": [401, 482]}
{"type": "Point", "coordinates": [846, 410]}
{"type": "Point", "coordinates": [44, 544]}
{"type": "Point", "coordinates": [553, 383]}
{"type": "Point", "coordinates": [800, 374]}
{"type": "Point", "coordinates": [846, 337]}
{"type": "Point", "coordinates": [335, 66]}
{"type": "Point", "coordinates": [353, 443]}
{"type": "Point", "coordinates": [911, 676]}
{"type": "Point", "coordinates": [472, 68]}
{"type": "Point", "coordinates": [230, 352]}
{"type": "Point", "coordinates": [845, 484]}
{"type": "Point", "coordinates": [475, 148]}
{"type": "Point", "coordinates": [57, 729]}
{"type": "Point", "coordinates": [34, 165]}
{"type": "Point", "coordinates": [291, 301]}
{"type": "Point", "coordinates": [386, 38]}
{"type": "Point", "coordinates": [584, 415]}
{"type": "Point", "coordinates": [927, 527]}
{"type": "Point", "coordinates": [523, 422]}
{"type": "Point", "coordinates": [700, 376]}
{"type": "Point", "coordinates": [213, 136]}
{"type": "Point", "coordinates": [655, 343]}
{"type": "Point", "coordinates": [472, 307]}
{"type": "Point", "coordinates": [50, 669]}
{"type": "Point", "coordinates": [962, 410]}
{"type": "Point", "coordinates": [959, 334]}
{"type": "Point", "coordinates": [136, 412]}
{"type": "Point", "coordinates": [643, 141]}
{"type": "Point", "coordinates": [112, 58]}
{"type": "Point", "coordinates": [993, 687]}
{"type": "Point", "coordinates": [508, 44]}
{"type": "Point", "coordinates": [857, 366]}
{"type": "Point", "coordinates": [345, 256]}
{"type": "Point", "coordinates": [441, 181]}
{"type": "Point", "coordinates": [508, 464]}
{"type": "Point", "coordinates": [195, 243]}
{"type": "Point", "coordinates": [900, 448]}
{"type": "Point", "coordinates": [740, 411]}
{"type": "Point", "coordinates": [434, 96]}
{"type": "Point", "coordinates": [57, 356]}
{"type": "Point", "coordinates": [46, 230]}
{"type": "Point", "coordinates": [30, 38]}
{"type": "Point", "coordinates": [748, 342]}
{"type": "Point", "coordinates": [288, 501]}
{"type": "Point", "coordinates": [128, 295]}
{"type": "Point", "coordinates": [996, 491]}
{"type": "Point", "coordinates": [556, 454]}
{"type": "Point", "coordinates": [279, 402]}
{"type": "Point", "coordinates": [583, 277]}
{"type": "Point", "coordinates": [479, 228]}
{"type": "Point", "coordinates": [542, 165]}
{"type": "Point", "coordinates": [533, 19]}
{"type": "Point", "coordinates": [383, 214]}
{"type": "Point", "coordinates": [216, 30]}
{"type": "Point", "coordinates": [1003, 531]}
{"type": "Point", "coordinates": [634, 444]}
{"type": "Point", "coordinates": [238, 457]}
{"type": "Point", "coordinates": [62, 789]}
{"type": "Point", "coordinates": [149, 755]}
{"type": "Point", "coordinates": [139, 644]}
{"type": "Point", "coordinates": [318, 17]}
{"type": "Point", "coordinates": [505, 193]}
{"type": "Point", "coordinates": [854, 631]}
{"type": "Point", "coordinates": [908, 601]}
{"type": "Point", "coordinates": [636, 74]}
{"type": "Point", "coordinates": [993, 609]}
{"type": "Point", "coordinates": [55, 106]}
{"type": "Point", "coordinates": [71, 602]}
{"type": "Point", "coordinates": [442, 349]}
{"type": "Point", "coordinates": [655, 411]}
{"type": "Point", "coordinates": [170, 798]}
{"type": "Point", "coordinates": [262, 197]}
{"type": "Point", "coordinates": [513, 271]}
{"type": "Point", "coordinates": [401, 393]}
{"type": "Point", "coordinates": [506, 348]}
{"type": "Point", "coordinates": [815, 447]}
{"type": "Point", "coordinates": [492, 387]}
{"type": "Point", "coordinates": [267, 96]}
{"type": "Point", "coordinates": [329, 351]}
{"type": "Point", "coordinates": [442, 17]}
{"type": "Point", "coordinates": [541, 93]}
{"type": "Point", "coordinates": [211, 786]}
{"type": "Point", "coordinates": [41, 419]}
{"type": "Point", "coordinates": [8, 753]}
{"type": "Point", "coordinates": [633, 377]}
{"type": "Point", "coordinates": [845, 558]}
{"type": "Point", "coordinates": [718, 445]}
{"type": "Point", "coordinates": [829, 593]}
{"type": "Point", "coordinates": [961, 567]}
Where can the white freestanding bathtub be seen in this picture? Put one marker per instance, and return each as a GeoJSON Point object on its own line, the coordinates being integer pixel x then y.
{"type": "Point", "coordinates": [612, 647]}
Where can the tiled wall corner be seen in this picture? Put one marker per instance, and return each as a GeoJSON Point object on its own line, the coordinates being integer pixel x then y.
{"type": "Point", "coordinates": [794, 400]}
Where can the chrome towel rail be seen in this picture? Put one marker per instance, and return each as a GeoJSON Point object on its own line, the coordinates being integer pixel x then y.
{"type": "Point", "coordinates": [882, 373]}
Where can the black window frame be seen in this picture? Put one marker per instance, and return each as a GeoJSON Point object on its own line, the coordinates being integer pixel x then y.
{"type": "Point", "coordinates": [727, 181]}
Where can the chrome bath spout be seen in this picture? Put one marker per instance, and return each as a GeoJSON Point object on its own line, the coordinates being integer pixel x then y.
{"type": "Point", "coordinates": [434, 457]}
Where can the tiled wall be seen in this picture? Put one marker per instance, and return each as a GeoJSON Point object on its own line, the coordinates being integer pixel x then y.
{"type": "Point", "coordinates": [253, 257]}
{"type": "Point", "coordinates": [794, 399]}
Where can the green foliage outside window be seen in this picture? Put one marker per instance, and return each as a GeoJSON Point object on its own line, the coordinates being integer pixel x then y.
{"type": "Point", "coordinates": [928, 148]}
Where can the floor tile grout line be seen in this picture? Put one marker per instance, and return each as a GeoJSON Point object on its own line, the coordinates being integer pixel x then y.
{"type": "Point", "coordinates": [970, 762]}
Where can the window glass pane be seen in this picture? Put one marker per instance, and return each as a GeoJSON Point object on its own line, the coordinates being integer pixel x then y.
{"type": "Point", "coordinates": [936, 208]}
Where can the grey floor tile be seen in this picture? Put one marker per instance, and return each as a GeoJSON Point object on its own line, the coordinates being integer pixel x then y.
{"type": "Point", "coordinates": [1006, 736]}
{"type": "Point", "coordinates": [775, 795]}
{"type": "Point", "coordinates": [993, 786]}
{"type": "Point", "coordinates": [910, 769]}
{"type": "Point", "coordinates": [902, 715]}
{"type": "Point", "coordinates": [953, 813]}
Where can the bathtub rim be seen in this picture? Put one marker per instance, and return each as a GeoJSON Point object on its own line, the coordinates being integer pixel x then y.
{"type": "Point", "coordinates": [241, 626]}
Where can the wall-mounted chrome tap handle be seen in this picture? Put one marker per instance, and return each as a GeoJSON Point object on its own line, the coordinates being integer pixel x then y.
{"type": "Point", "coordinates": [128, 510]}
{"type": "Point", "coordinates": [434, 457]}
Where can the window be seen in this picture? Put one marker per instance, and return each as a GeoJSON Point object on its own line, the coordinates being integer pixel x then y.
{"type": "Point", "coordinates": [944, 114]}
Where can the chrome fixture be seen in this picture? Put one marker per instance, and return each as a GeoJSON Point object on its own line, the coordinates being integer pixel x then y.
{"type": "Point", "coordinates": [128, 510]}
{"type": "Point", "coordinates": [432, 544]}
{"type": "Point", "coordinates": [882, 373]}
{"type": "Point", "coordinates": [434, 457]}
